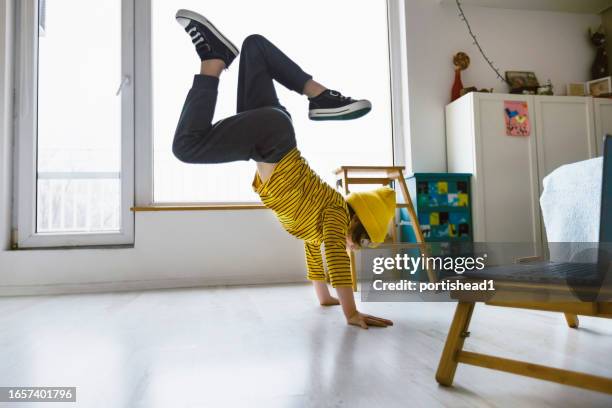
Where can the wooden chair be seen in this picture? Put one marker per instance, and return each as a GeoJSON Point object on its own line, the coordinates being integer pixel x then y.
{"type": "Point", "coordinates": [385, 176]}
{"type": "Point", "coordinates": [558, 298]}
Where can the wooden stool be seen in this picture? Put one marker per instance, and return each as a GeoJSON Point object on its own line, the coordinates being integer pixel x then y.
{"type": "Point", "coordinates": [380, 175]}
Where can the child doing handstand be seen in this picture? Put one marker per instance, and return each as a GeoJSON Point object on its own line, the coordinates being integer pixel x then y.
{"type": "Point", "coordinates": [262, 130]}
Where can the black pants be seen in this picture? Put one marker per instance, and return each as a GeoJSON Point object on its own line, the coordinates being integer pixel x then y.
{"type": "Point", "coordinates": [261, 130]}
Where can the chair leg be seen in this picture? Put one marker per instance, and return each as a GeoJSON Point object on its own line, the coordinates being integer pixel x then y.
{"type": "Point", "coordinates": [572, 320]}
{"type": "Point", "coordinates": [454, 343]}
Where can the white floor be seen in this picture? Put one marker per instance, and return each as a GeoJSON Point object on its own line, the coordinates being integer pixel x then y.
{"type": "Point", "coordinates": [274, 347]}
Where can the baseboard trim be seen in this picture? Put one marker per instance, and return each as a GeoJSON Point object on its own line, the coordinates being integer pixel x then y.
{"type": "Point", "coordinates": [136, 285]}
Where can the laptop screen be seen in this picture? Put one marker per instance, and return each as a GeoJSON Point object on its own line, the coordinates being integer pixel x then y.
{"type": "Point", "coordinates": [605, 229]}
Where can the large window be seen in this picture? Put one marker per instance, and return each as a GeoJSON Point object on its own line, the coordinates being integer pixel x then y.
{"type": "Point", "coordinates": [342, 43]}
{"type": "Point", "coordinates": [95, 79]}
{"type": "Point", "coordinates": [75, 124]}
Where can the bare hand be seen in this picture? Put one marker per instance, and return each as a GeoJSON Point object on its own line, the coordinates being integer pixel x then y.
{"type": "Point", "coordinates": [329, 301]}
{"type": "Point", "coordinates": [364, 320]}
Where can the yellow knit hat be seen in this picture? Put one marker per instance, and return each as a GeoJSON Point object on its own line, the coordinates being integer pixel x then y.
{"type": "Point", "coordinates": [375, 209]}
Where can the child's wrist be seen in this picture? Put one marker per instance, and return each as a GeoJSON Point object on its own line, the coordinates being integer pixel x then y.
{"type": "Point", "coordinates": [348, 316]}
{"type": "Point", "coordinates": [347, 300]}
{"type": "Point", "coordinates": [349, 311]}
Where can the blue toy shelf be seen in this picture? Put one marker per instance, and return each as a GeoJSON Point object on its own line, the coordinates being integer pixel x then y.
{"type": "Point", "coordinates": [443, 206]}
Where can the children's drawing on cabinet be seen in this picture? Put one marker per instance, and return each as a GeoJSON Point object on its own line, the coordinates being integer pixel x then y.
{"type": "Point", "coordinates": [516, 114]}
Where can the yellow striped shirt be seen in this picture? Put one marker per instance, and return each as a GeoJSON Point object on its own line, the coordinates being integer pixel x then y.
{"type": "Point", "coordinates": [309, 209]}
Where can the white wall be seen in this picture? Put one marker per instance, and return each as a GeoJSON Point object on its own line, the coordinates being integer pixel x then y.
{"type": "Point", "coordinates": [606, 16]}
{"type": "Point", "coordinates": [553, 45]}
{"type": "Point", "coordinates": [172, 249]}
{"type": "Point", "coordinates": [5, 128]}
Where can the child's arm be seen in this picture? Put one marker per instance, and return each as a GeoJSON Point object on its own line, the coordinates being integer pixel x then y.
{"type": "Point", "coordinates": [339, 267]}
{"type": "Point", "coordinates": [314, 264]}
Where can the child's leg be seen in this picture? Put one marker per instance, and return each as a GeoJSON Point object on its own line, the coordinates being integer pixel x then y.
{"type": "Point", "coordinates": [264, 134]}
{"type": "Point", "coordinates": [261, 62]}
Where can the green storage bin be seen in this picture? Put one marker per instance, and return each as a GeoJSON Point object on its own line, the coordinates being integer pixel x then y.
{"type": "Point", "coordinates": [443, 205]}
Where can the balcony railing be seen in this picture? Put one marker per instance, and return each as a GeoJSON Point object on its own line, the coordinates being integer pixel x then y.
{"type": "Point", "coordinates": [70, 202]}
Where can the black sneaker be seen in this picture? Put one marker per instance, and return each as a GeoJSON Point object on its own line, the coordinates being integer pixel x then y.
{"type": "Point", "coordinates": [331, 105]}
{"type": "Point", "coordinates": [208, 41]}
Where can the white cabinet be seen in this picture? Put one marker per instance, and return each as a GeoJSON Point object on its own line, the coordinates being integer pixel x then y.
{"type": "Point", "coordinates": [564, 131]}
{"type": "Point", "coordinates": [603, 121]}
{"type": "Point", "coordinates": [504, 169]}
{"type": "Point", "coordinates": [508, 170]}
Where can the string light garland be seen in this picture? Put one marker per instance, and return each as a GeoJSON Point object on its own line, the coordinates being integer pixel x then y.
{"type": "Point", "coordinates": [477, 44]}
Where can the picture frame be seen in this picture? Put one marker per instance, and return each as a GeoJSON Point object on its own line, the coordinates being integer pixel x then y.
{"type": "Point", "coordinates": [599, 87]}
{"type": "Point", "coordinates": [522, 82]}
{"type": "Point", "coordinates": [576, 89]}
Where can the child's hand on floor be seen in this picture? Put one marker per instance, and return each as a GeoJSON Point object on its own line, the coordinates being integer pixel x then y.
{"type": "Point", "coordinates": [353, 316]}
{"type": "Point", "coordinates": [364, 320]}
{"type": "Point", "coordinates": [325, 298]}
{"type": "Point", "coordinates": [347, 300]}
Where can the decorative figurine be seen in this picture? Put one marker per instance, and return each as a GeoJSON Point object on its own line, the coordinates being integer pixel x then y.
{"type": "Point", "coordinates": [600, 68]}
{"type": "Point", "coordinates": [461, 61]}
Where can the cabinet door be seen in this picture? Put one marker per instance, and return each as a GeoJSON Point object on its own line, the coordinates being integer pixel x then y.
{"type": "Point", "coordinates": [603, 121]}
{"type": "Point", "coordinates": [565, 131]}
{"type": "Point", "coordinates": [506, 207]}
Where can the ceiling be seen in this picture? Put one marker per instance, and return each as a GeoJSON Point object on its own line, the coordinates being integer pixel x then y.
{"type": "Point", "coordinates": [569, 6]}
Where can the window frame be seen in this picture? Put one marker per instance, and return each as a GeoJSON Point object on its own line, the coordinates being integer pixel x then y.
{"type": "Point", "coordinates": [398, 64]}
{"type": "Point", "coordinates": [26, 123]}
{"type": "Point", "coordinates": [144, 95]}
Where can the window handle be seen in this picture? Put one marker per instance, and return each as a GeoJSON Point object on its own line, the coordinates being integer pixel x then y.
{"type": "Point", "coordinates": [124, 82]}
